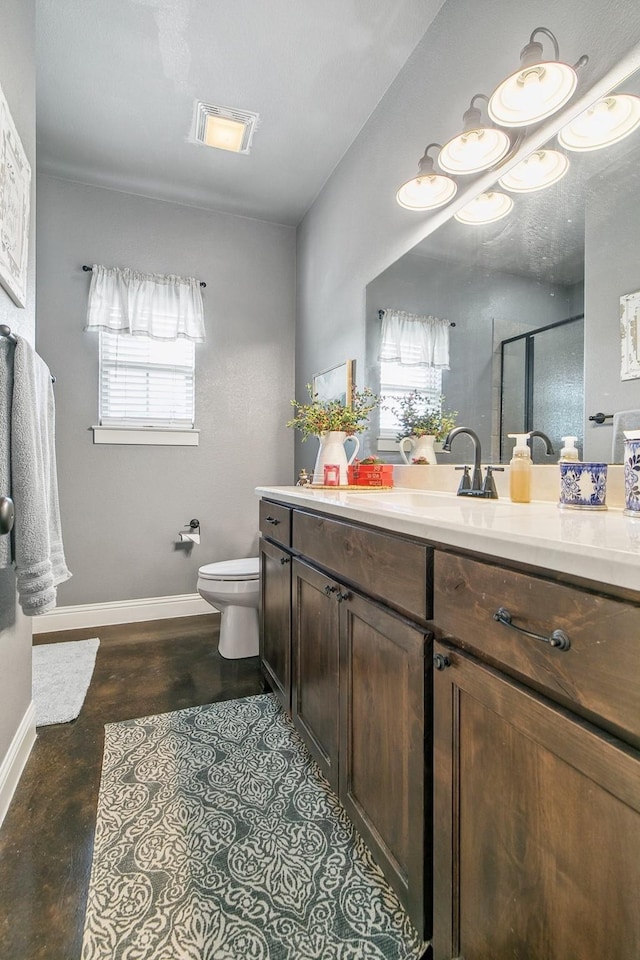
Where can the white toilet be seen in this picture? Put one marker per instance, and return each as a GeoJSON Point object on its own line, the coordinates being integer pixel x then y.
{"type": "Point", "coordinates": [233, 587]}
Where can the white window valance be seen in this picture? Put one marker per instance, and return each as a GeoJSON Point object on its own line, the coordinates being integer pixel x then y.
{"type": "Point", "coordinates": [145, 304]}
{"type": "Point", "coordinates": [414, 341]}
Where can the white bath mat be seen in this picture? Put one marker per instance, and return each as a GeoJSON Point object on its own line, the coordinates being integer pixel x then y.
{"type": "Point", "coordinates": [61, 676]}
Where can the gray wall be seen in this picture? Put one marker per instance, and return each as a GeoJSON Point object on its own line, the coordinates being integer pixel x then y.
{"type": "Point", "coordinates": [17, 78]}
{"type": "Point", "coordinates": [355, 229]}
{"type": "Point", "coordinates": [123, 506]}
{"type": "Point", "coordinates": [612, 268]}
{"type": "Point", "coordinates": [471, 297]}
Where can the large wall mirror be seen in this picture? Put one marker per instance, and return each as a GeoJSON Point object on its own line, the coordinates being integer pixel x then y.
{"type": "Point", "coordinates": [536, 302]}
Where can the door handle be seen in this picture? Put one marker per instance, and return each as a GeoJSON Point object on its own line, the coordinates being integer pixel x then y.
{"type": "Point", "coordinates": [7, 515]}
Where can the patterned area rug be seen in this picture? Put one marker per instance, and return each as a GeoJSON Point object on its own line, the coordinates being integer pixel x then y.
{"type": "Point", "coordinates": [218, 838]}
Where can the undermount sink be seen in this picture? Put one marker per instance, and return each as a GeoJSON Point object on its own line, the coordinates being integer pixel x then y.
{"type": "Point", "coordinates": [423, 500]}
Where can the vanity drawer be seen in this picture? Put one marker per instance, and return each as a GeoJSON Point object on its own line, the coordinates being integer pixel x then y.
{"type": "Point", "coordinates": [597, 675]}
{"type": "Point", "coordinates": [275, 522]}
{"type": "Point", "coordinates": [384, 566]}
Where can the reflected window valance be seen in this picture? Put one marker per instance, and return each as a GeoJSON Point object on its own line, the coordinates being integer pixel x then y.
{"type": "Point", "coordinates": [145, 304]}
{"type": "Point", "coordinates": [414, 341]}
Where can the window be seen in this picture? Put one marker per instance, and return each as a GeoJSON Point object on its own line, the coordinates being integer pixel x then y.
{"type": "Point", "coordinates": [146, 383]}
{"type": "Point", "coordinates": [396, 379]}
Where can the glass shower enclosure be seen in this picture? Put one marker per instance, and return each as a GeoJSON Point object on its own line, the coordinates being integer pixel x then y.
{"type": "Point", "coordinates": [542, 386]}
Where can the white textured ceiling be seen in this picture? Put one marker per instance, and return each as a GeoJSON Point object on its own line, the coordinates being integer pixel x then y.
{"type": "Point", "coordinates": [117, 79]}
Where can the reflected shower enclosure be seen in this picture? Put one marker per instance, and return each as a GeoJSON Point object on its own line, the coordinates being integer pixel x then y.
{"type": "Point", "coordinates": [542, 386]}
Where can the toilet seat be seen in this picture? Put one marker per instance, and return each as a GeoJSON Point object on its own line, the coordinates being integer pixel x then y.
{"type": "Point", "coordinates": [247, 569]}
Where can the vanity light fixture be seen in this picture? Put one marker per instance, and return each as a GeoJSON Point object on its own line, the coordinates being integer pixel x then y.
{"type": "Point", "coordinates": [540, 169]}
{"type": "Point", "coordinates": [537, 89]}
{"type": "Point", "coordinates": [485, 208]}
{"type": "Point", "coordinates": [223, 127]}
{"type": "Point", "coordinates": [603, 123]}
{"type": "Point", "coordinates": [478, 147]}
{"type": "Point", "coordinates": [428, 189]}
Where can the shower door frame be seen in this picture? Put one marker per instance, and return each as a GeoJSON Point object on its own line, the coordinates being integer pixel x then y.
{"type": "Point", "coordinates": [529, 360]}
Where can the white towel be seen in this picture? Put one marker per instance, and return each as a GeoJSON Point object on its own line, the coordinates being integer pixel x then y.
{"type": "Point", "coordinates": [6, 389]}
{"type": "Point", "coordinates": [623, 420]}
{"type": "Point", "coordinates": [38, 551]}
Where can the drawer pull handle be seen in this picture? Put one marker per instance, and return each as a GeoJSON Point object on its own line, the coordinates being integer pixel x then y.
{"type": "Point", "coordinates": [441, 662]}
{"type": "Point", "coordinates": [329, 590]}
{"type": "Point", "coordinates": [557, 639]}
{"type": "Point", "coordinates": [343, 596]}
{"type": "Point", "coordinates": [284, 560]}
{"type": "Point", "coordinates": [272, 520]}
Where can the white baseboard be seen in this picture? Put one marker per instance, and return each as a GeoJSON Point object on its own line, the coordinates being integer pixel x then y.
{"type": "Point", "coordinates": [17, 755]}
{"type": "Point", "coordinates": [121, 611]}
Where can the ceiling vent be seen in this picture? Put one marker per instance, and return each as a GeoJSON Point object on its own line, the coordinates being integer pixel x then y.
{"type": "Point", "coordinates": [223, 127]}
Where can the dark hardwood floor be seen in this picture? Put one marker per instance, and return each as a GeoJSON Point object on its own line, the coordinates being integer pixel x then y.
{"type": "Point", "coordinates": [46, 840]}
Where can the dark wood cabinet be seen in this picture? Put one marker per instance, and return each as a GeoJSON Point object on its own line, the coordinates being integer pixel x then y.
{"type": "Point", "coordinates": [385, 745]}
{"type": "Point", "coordinates": [355, 677]}
{"type": "Point", "coordinates": [536, 771]}
{"type": "Point", "coordinates": [537, 825]}
{"type": "Point", "coordinates": [495, 777]}
{"type": "Point", "coordinates": [275, 619]}
{"type": "Point", "coordinates": [315, 695]}
{"type": "Point", "coordinates": [359, 702]}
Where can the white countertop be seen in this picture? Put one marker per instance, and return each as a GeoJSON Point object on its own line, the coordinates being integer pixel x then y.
{"type": "Point", "coordinates": [603, 546]}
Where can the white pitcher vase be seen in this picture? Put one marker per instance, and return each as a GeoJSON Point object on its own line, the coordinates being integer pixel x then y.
{"type": "Point", "coordinates": [421, 447]}
{"type": "Point", "coordinates": [332, 451]}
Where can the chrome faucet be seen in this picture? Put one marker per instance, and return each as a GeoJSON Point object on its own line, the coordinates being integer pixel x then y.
{"type": "Point", "coordinates": [473, 486]}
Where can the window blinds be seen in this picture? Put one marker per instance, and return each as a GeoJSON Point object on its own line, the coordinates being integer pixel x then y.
{"type": "Point", "coordinates": [397, 380]}
{"type": "Point", "coordinates": [146, 382]}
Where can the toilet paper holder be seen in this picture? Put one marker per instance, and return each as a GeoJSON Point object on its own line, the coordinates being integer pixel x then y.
{"type": "Point", "coordinates": [193, 534]}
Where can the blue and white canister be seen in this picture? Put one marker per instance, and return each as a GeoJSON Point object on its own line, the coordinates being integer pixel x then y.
{"type": "Point", "coordinates": [583, 486]}
{"type": "Point", "coordinates": [632, 478]}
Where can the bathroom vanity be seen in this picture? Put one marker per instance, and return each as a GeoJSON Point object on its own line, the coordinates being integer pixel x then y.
{"type": "Point", "coordinates": [466, 676]}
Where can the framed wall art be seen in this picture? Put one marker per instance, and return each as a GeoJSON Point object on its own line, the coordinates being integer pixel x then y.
{"type": "Point", "coordinates": [336, 383]}
{"type": "Point", "coordinates": [15, 189]}
{"type": "Point", "coordinates": [630, 336]}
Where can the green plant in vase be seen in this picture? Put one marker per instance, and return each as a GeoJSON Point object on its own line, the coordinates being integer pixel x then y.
{"type": "Point", "coordinates": [333, 422]}
{"type": "Point", "coordinates": [423, 421]}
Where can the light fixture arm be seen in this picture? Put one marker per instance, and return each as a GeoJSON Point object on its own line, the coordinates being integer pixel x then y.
{"type": "Point", "coordinates": [552, 37]}
{"type": "Point", "coordinates": [532, 53]}
{"type": "Point", "coordinates": [426, 163]}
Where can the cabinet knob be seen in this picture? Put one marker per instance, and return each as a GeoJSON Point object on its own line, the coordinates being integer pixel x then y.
{"type": "Point", "coordinates": [284, 560]}
{"type": "Point", "coordinates": [441, 662]}
{"type": "Point", "coordinates": [557, 638]}
{"type": "Point", "coordinates": [343, 596]}
{"type": "Point", "coordinates": [329, 589]}
{"type": "Point", "coordinates": [272, 520]}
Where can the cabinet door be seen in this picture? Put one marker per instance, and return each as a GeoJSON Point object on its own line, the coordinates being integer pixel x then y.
{"type": "Point", "coordinates": [536, 825]}
{"type": "Point", "coordinates": [315, 671]}
{"type": "Point", "coordinates": [385, 769]}
{"type": "Point", "coordinates": [275, 619]}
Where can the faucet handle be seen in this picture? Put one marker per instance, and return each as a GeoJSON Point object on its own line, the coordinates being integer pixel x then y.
{"type": "Point", "coordinates": [489, 485]}
{"type": "Point", "coordinates": [465, 480]}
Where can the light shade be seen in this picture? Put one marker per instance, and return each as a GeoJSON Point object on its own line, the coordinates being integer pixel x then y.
{"type": "Point", "coordinates": [535, 91]}
{"type": "Point", "coordinates": [605, 122]}
{"type": "Point", "coordinates": [226, 128]}
{"type": "Point", "coordinates": [485, 208]}
{"type": "Point", "coordinates": [539, 170]}
{"type": "Point", "coordinates": [478, 147]}
{"type": "Point", "coordinates": [426, 192]}
{"type": "Point", "coordinates": [429, 189]}
{"type": "Point", "coordinates": [224, 133]}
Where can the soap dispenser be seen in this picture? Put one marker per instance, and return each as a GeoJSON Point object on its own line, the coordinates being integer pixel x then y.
{"type": "Point", "coordinates": [520, 469]}
{"type": "Point", "coordinates": [569, 450]}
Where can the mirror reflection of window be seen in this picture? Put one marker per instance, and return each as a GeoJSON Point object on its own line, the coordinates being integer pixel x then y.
{"type": "Point", "coordinates": [397, 380]}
